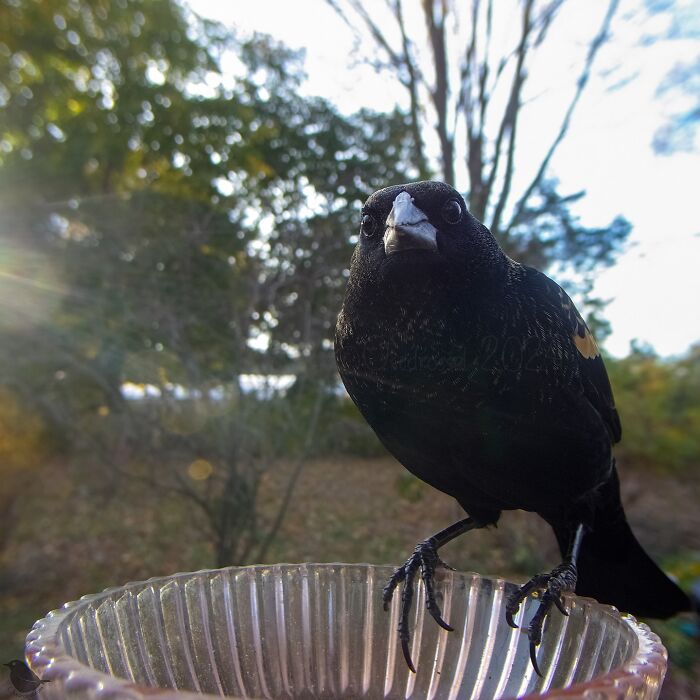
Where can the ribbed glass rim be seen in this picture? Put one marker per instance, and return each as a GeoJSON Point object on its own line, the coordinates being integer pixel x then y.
{"type": "Point", "coordinates": [49, 659]}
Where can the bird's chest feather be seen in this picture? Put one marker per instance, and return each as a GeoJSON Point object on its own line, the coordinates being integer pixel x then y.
{"type": "Point", "coordinates": [411, 353]}
{"type": "Point", "coordinates": [462, 399]}
{"type": "Point", "coordinates": [459, 355]}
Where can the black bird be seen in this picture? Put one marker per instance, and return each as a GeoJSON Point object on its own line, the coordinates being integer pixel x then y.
{"type": "Point", "coordinates": [23, 679]}
{"type": "Point", "coordinates": [480, 376]}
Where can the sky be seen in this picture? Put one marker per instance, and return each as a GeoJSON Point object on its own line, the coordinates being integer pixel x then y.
{"type": "Point", "coordinates": [654, 289]}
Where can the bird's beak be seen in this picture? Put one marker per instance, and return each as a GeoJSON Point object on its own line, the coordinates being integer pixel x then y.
{"type": "Point", "coordinates": [407, 227]}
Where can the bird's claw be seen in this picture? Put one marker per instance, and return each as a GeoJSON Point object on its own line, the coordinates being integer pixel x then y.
{"type": "Point", "coordinates": [426, 559]}
{"type": "Point", "coordinates": [533, 659]}
{"type": "Point", "coordinates": [550, 588]}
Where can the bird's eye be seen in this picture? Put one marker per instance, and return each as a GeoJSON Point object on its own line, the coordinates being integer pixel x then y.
{"type": "Point", "coordinates": [451, 211]}
{"type": "Point", "coordinates": [369, 225]}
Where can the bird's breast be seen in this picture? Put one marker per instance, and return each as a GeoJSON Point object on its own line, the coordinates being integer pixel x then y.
{"type": "Point", "coordinates": [410, 357]}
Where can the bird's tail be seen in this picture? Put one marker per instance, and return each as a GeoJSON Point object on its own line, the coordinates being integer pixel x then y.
{"type": "Point", "coordinates": [613, 567]}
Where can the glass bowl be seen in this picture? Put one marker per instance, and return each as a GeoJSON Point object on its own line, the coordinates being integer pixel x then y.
{"type": "Point", "coordinates": [319, 631]}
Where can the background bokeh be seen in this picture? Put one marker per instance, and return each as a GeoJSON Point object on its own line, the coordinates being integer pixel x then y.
{"type": "Point", "coordinates": [179, 200]}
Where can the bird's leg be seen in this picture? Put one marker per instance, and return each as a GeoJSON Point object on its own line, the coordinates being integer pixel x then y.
{"type": "Point", "coordinates": [425, 558]}
{"type": "Point", "coordinates": [551, 586]}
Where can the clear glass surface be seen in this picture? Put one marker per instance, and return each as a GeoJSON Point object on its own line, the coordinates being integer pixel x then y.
{"type": "Point", "coordinates": [319, 631]}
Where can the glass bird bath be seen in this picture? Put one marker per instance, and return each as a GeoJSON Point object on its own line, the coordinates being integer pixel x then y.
{"type": "Point", "coordinates": [319, 631]}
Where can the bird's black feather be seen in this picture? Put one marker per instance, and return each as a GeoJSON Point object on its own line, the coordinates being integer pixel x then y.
{"type": "Point", "coordinates": [480, 376]}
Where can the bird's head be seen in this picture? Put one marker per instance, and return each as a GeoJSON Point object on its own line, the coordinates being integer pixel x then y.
{"type": "Point", "coordinates": [15, 663]}
{"type": "Point", "coordinates": [423, 225]}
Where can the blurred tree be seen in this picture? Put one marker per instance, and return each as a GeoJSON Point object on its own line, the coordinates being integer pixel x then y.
{"type": "Point", "coordinates": [23, 445]}
{"type": "Point", "coordinates": [159, 216]}
{"type": "Point", "coordinates": [678, 134]}
{"type": "Point", "coordinates": [681, 86]}
{"type": "Point", "coordinates": [308, 251]}
{"type": "Point", "coordinates": [467, 83]}
{"type": "Point", "coordinates": [659, 402]}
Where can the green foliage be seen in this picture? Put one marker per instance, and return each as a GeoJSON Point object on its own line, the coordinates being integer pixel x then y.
{"type": "Point", "coordinates": [343, 431]}
{"type": "Point", "coordinates": [546, 231]}
{"type": "Point", "coordinates": [24, 443]}
{"type": "Point", "coordinates": [167, 206]}
{"type": "Point", "coordinates": [159, 212]}
{"type": "Point", "coordinates": [659, 403]}
{"type": "Point", "coordinates": [680, 634]}
{"type": "Point", "coordinates": [409, 487]}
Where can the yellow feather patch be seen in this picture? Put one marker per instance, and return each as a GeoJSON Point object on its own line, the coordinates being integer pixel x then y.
{"type": "Point", "coordinates": [586, 345]}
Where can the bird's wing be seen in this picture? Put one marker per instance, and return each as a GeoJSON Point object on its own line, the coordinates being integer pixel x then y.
{"type": "Point", "coordinates": [594, 377]}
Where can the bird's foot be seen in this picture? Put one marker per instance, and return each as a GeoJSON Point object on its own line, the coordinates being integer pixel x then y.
{"type": "Point", "coordinates": [549, 588]}
{"type": "Point", "coordinates": [425, 558]}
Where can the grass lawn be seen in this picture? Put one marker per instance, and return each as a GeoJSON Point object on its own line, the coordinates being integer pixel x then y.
{"type": "Point", "coordinates": [344, 509]}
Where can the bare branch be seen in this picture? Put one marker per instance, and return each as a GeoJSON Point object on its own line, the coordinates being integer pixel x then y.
{"type": "Point", "coordinates": [510, 118]}
{"type": "Point", "coordinates": [441, 90]}
{"type": "Point", "coordinates": [545, 20]}
{"type": "Point", "coordinates": [468, 71]}
{"type": "Point", "coordinates": [376, 33]}
{"type": "Point", "coordinates": [412, 86]}
{"type": "Point", "coordinates": [406, 68]}
{"type": "Point", "coordinates": [541, 24]}
{"type": "Point", "coordinates": [481, 194]}
{"type": "Point", "coordinates": [593, 49]}
{"type": "Point", "coordinates": [252, 520]}
{"type": "Point", "coordinates": [484, 71]}
{"type": "Point", "coordinates": [186, 490]}
{"type": "Point", "coordinates": [475, 123]}
{"type": "Point", "coordinates": [296, 473]}
{"type": "Point", "coordinates": [341, 13]}
{"type": "Point", "coordinates": [394, 59]}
